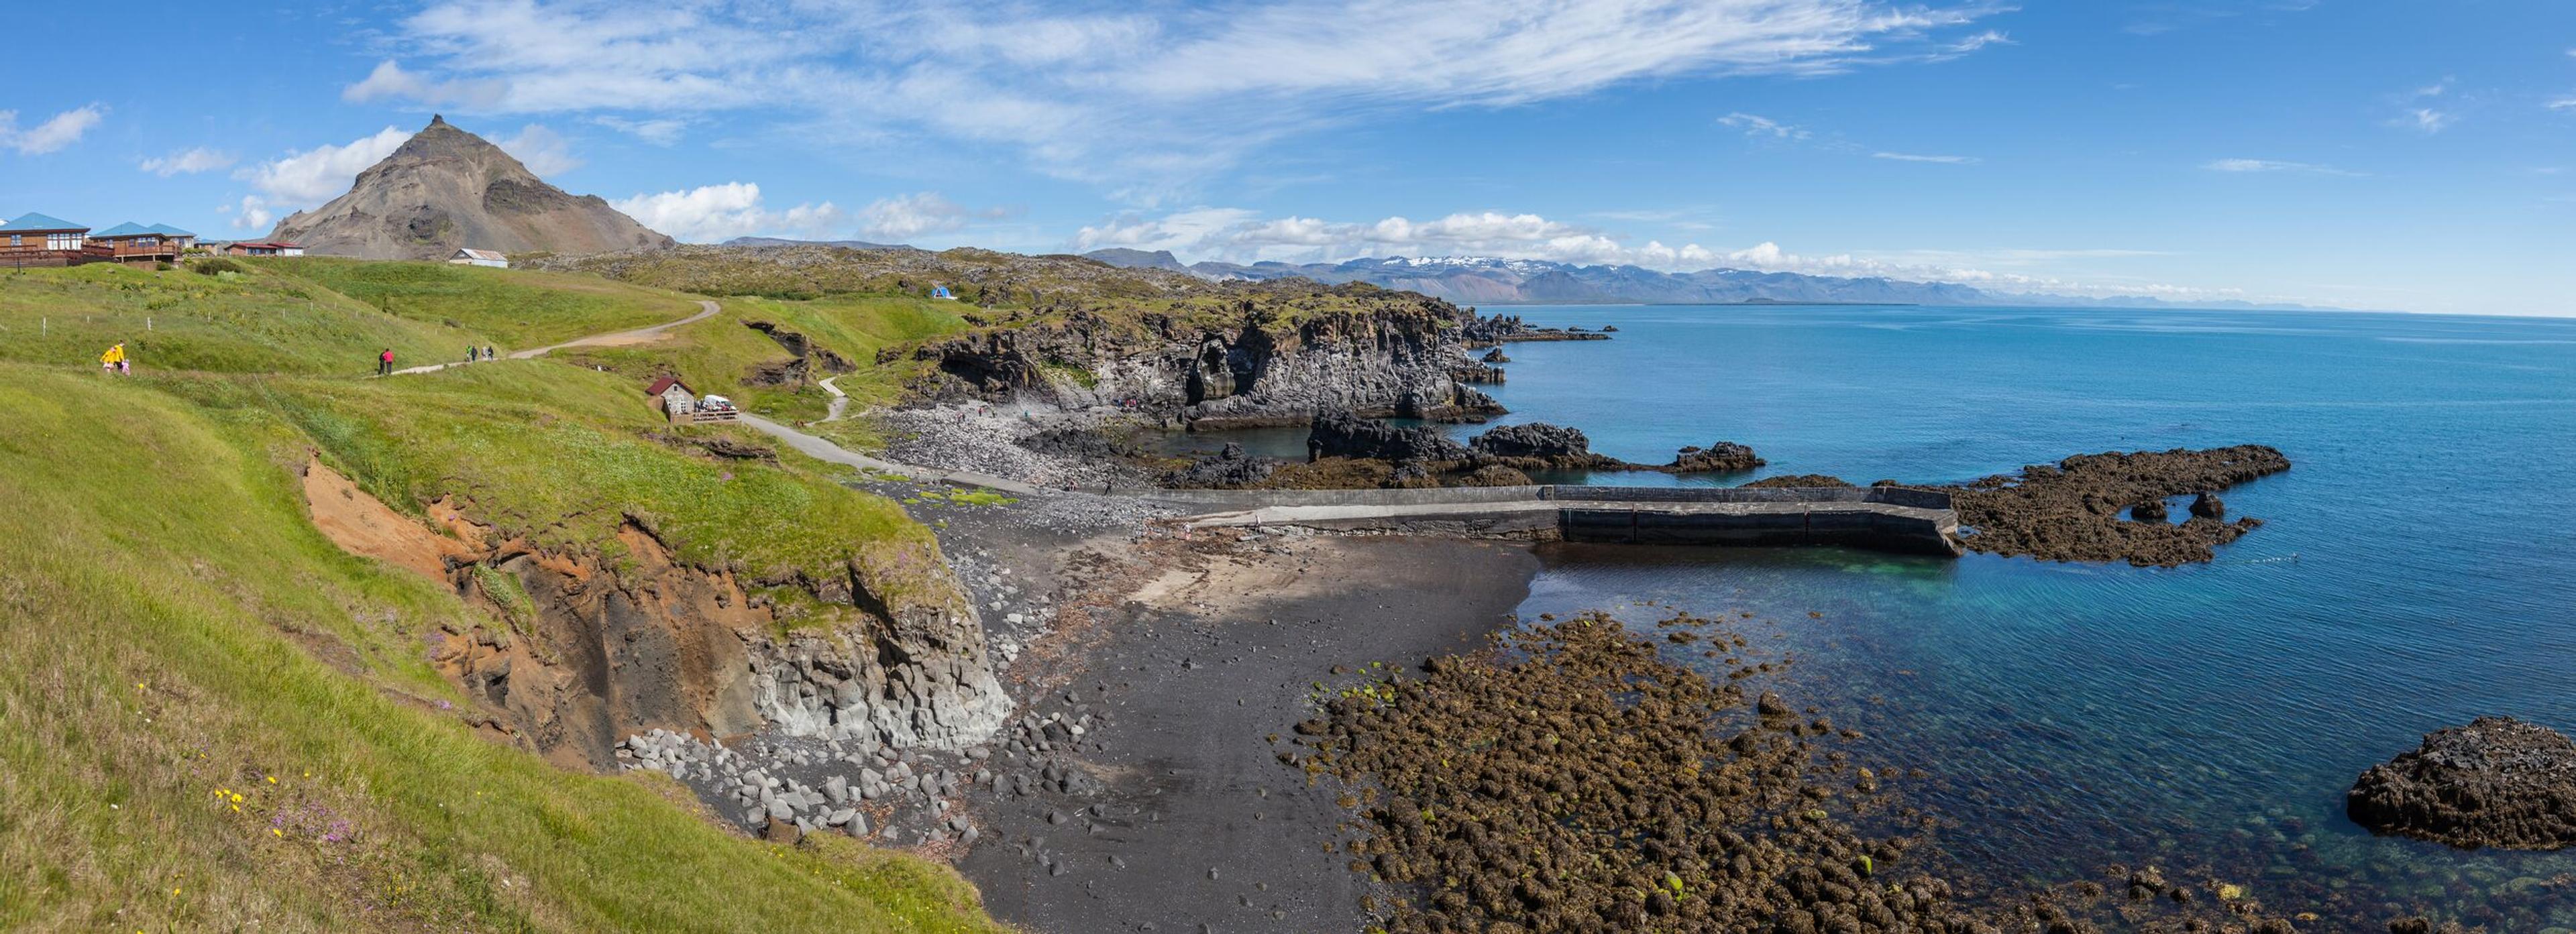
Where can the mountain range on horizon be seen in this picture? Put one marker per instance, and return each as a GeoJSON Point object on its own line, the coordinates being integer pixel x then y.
{"type": "Point", "coordinates": [1485, 280]}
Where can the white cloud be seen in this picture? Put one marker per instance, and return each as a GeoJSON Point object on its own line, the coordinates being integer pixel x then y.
{"type": "Point", "coordinates": [2424, 120]}
{"type": "Point", "coordinates": [1911, 157]}
{"type": "Point", "coordinates": [1757, 125]}
{"type": "Point", "coordinates": [2274, 165]}
{"type": "Point", "coordinates": [543, 151]}
{"type": "Point", "coordinates": [1979, 41]}
{"type": "Point", "coordinates": [733, 209]}
{"type": "Point", "coordinates": [659, 132]}
{"type": "Point", "coordinates": [1111, 92]}
{"type": "Point", "coordinates": [390, 82]}
{"type": "Point", "coordinates": [254, 214]}
{"type": "Point", "coordinates": [319, 174]}
{"type": "Point", "coordinates": [188, 162]}
{"type": "Point", "coordinates": [63, 129]}
{"type": "Point", "coordinates": [2564, 103]}
{"type": "Point", "coordinates": [916, 214]}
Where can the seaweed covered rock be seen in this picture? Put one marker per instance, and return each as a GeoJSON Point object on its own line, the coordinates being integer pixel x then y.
{"type": "Point", "coordinates": [1800, 480]}
{"type": "Point", "coordinates": [2152, 510]}
{"type": "Point", "coordinates": [2071, 510]}
{"type": "Point", "coordinates": [2497, 782]}
{"type": "Point", "coordinates": [1722, 457]}
{"type": "Point", "coordinates": [1342, 434]}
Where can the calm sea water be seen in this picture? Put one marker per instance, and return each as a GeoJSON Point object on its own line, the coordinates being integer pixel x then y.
{"type": "Point", "coordinates": [2417, 569]}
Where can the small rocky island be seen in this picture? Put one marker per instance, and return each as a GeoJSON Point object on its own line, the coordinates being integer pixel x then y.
{"type": "Point", "coordinates": [2496, 782]}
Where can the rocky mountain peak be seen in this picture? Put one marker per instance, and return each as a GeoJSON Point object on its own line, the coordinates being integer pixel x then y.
{"type": "Point", "coordinates": [446, 188]}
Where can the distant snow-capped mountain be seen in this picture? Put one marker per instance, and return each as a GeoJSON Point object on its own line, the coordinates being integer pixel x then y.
{"type": "Point", "coordinates": [1488, 280]}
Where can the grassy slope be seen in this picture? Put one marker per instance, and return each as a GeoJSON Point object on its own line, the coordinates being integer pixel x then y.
{"type": "Point", "coordinates": [167, 602]}
{"type": "Point", "coordinates": [509, 308]}
{"type": "Point", "coordinates": [257, 322]}
{"type": "Point", "coordinates": [716, 354]}
{"type": "Point", "coordinates": [171, 625]}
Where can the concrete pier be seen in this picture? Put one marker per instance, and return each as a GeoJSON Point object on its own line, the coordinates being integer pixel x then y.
{"type": "Point", "coordinates": [1877, 518]}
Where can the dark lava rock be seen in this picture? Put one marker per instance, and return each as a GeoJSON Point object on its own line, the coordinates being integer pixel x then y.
{"type": "Point", "coordinates": [1342, 434]}
{"type": "Point", "coordinates": [2208, 506]}
{"type": "Point", "coordinates": [1495, 356]}
{"type": "Point", "coordinates": [1722, 457]}
{"type": "Point", "coordinates": [2497, 782]}
{"type": "Point", "coordinates": [2149, 511]}
{"type": "Point", "coordinates": [1535, 439]}
{"type": "Point", "coordinates": [1230, 467]}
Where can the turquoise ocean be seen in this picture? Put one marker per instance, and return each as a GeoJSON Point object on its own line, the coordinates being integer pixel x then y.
{"type": "Point", "coordinates": [2417, 569]}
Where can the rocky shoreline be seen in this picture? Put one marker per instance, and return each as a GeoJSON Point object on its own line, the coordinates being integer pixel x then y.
{"type": "Point", "coordinates": [2496, 781]}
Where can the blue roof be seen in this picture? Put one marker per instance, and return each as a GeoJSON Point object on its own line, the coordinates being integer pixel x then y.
{"type": "Point", "coordinates": [127, 229]}
{"type": "Point", "coordinates": [34, 221]}
{"type": "Point", "coordinates": [169, 231]}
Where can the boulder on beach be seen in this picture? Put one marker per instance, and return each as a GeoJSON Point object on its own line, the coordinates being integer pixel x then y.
{"type": "Point", "coordinates": [2497, 782]}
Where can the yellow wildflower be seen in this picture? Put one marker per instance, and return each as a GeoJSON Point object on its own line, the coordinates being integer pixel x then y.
{"type": "Point", "coordinates": [272, 779]}
{"type": "Point", "coordinates": [274, 832]}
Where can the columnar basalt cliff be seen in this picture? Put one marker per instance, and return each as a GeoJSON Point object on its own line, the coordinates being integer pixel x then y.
{"type": "Point", "coordinates": [1277, 354]}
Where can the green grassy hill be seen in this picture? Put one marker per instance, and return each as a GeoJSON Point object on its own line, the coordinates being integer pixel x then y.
{"type": "Point", "coordinates": [253, 321]}
{"type": "Point", "coordinates": [512, 309]}
{"type": "Point", "coordinates": [211, 718]}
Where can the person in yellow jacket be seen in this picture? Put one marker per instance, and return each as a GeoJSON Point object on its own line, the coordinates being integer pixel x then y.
{"type": "Point", "coordinates": [113, 360]}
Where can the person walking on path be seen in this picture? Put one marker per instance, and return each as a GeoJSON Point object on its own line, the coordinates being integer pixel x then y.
{"type": "Point", "coordinates": [488, 354]}
{"type": "Point", "coordinates": [385, 362]}
{"type": "Point", "coordinates": [113, 360]}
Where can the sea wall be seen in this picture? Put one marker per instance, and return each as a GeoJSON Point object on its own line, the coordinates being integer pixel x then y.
{"type": "Point", "coordinates": [1878, 518]}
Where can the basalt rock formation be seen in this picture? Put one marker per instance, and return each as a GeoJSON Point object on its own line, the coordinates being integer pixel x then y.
{"type": "Point", "coordinates": [808, 358]}
{"type": "Point", "coordinates": [1342, 434]}
{"type": "Point", "coordinates": [2497, 782]}
{"type": "Point", "coordinates": [1541, 446]}
{"type": "Point", "coordinates": [446, 188]}
{"type": "Point", "coordinates": [1272, 354]}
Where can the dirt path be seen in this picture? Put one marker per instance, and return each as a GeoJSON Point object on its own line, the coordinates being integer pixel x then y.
{"type": "Point", "coordinates": [706, 309]}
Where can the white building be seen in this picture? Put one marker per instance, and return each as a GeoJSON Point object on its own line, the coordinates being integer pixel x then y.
{"type": "Point", "coordinates": [469, 256]}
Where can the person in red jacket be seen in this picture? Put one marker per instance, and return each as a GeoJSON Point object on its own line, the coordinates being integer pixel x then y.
{"type": "Point", "coordinates": [385, 362]}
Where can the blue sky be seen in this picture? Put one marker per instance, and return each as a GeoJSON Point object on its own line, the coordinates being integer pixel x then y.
{"type": "Point", "coordinates": [2395, 154]}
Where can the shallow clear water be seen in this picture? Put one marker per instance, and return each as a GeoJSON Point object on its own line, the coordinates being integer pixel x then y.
{"type": "Point", "coordinates": [2417, 569]}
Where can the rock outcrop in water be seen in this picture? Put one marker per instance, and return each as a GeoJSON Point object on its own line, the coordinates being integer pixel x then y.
{"type": "Point", "coordinates": [1226, 469]}
{"type": "Point", "coordinates": [1721, 457]}
{"type": "Point", "coordinates": [1342, 434]}
{"type": "Point", "coordinates": [2071, 511]}
{"type": "Point", "coordinates": [2496, 782]}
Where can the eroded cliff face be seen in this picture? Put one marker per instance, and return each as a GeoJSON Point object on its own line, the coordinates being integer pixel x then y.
{"type": "Point", "coordinates": [1260, 362]}
{"type": "Point", "coordinates": [584, 650]}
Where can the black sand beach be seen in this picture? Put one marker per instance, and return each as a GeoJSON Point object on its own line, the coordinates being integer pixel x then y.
{"type": "Point", "coordinates": [1182, 817]}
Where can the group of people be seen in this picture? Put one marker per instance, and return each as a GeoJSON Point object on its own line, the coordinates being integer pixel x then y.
{"type": "Point", "coordinates": [114, 361]}
{"type": "Point", "coordinates": [473, 354]}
